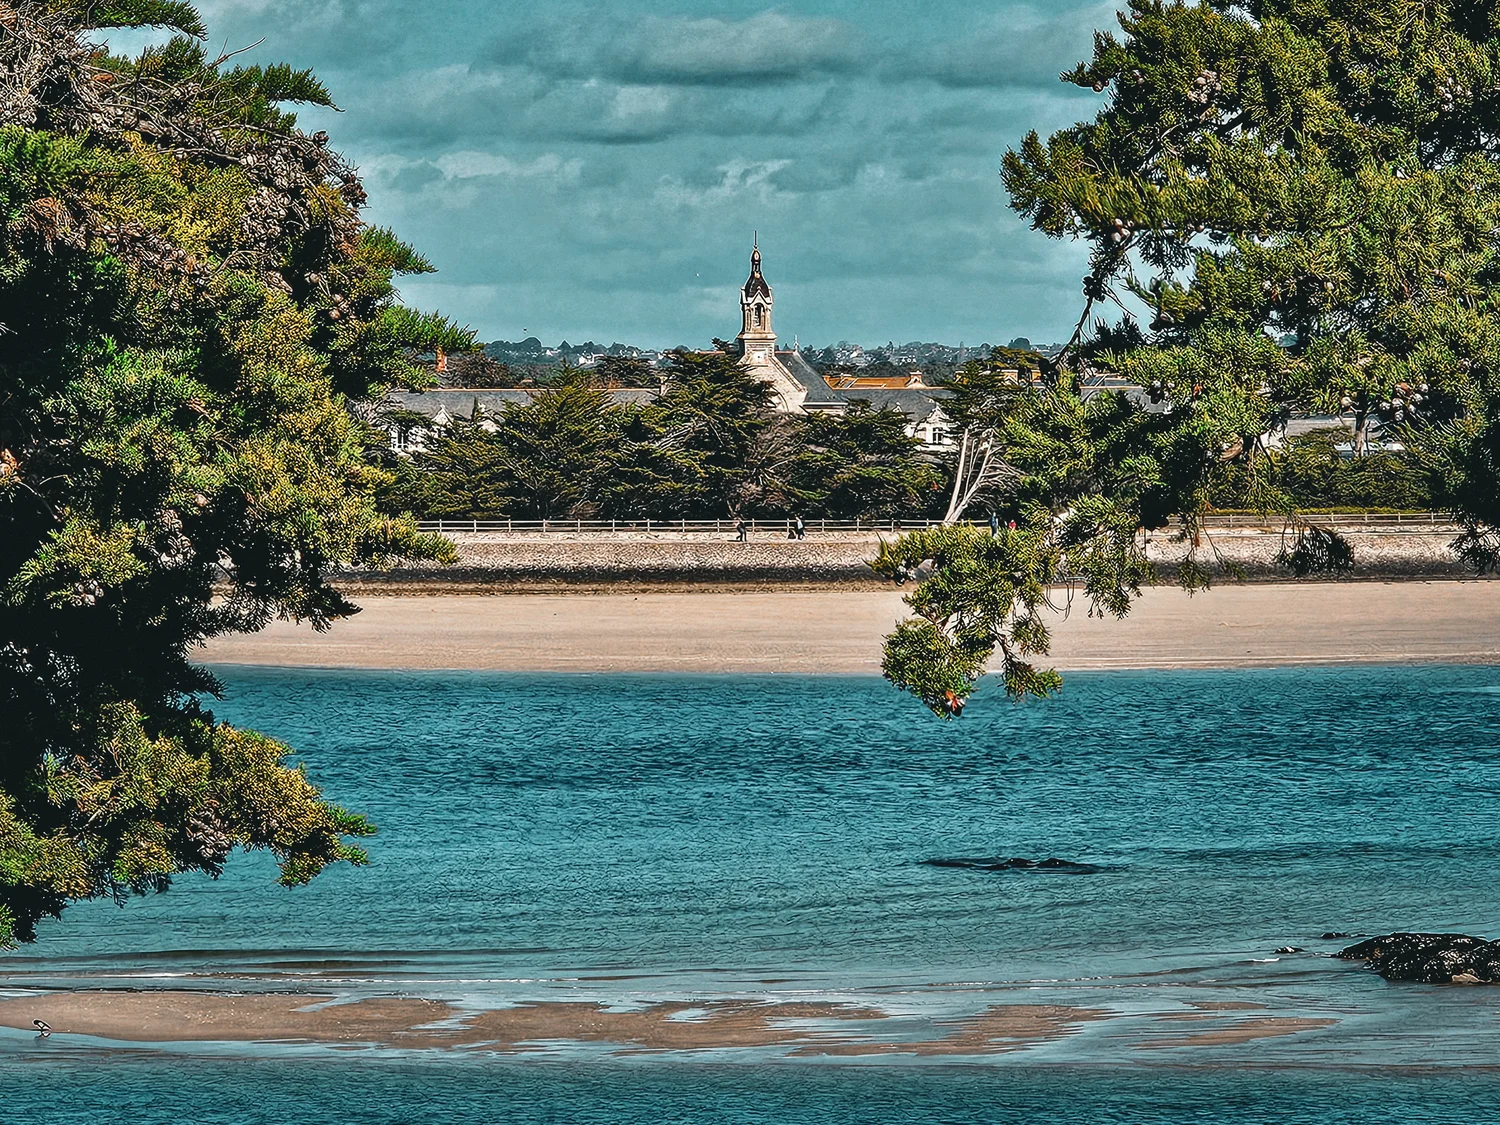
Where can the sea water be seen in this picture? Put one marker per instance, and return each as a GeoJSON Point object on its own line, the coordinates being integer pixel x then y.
{"type": "Point", "coordinates": [626, 840]}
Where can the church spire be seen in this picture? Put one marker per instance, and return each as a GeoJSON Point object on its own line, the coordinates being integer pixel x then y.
{"type": "Point", "coordinates": [757, 339]}
{"type": "Point", "coordinates": [756, 334]}
{"type": "Point", "coordinates": [756, 285]}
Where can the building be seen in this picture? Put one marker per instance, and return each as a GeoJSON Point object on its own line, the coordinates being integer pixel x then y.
{"type": "Point", "coordinates": [800, 389]}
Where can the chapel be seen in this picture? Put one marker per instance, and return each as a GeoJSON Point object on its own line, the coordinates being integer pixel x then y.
{"type": "Point", "coordinates": [799, 388]}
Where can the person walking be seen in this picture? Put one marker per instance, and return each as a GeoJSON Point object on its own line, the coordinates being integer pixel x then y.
{"type": "Point", "coordinates": [994, 524]}
{"type": "Point", "coordinates": [741, 532]}
{"type": "Point", "coordinates": [800, 528]}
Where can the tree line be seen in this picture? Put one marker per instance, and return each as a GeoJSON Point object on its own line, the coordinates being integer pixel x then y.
{"type": "Point", "coordinates": [713, 446]}
{"type": "Point", "coordinates": [710, 445]}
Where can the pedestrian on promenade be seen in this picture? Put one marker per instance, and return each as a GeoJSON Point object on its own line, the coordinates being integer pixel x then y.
{"type": "Point", "coordinates": [741, 532]}
{"type": "Point", "coordinates": [994, 523]}
{"type": "Point", "coordinates": [800, 529]}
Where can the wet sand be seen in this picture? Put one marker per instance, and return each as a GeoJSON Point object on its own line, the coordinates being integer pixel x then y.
{"type": "Point", "coordinates": [1238, 1033]}
{"type": "Point", "coordinates": [803, 1028]}
{"type": "Point", "coordinates": [840, 631]}
{"type": "Point", "coordinates": [996, 1030]}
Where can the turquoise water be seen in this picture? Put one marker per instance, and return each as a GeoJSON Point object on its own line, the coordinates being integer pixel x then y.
{"type": "Point", "coordinates": [292, 1093]}
{"type": "Point", "coordinates": [630, 840]}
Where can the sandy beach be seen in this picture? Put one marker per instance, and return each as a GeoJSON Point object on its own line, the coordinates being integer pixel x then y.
{"type": "Point", "coordinates": [839, 631]}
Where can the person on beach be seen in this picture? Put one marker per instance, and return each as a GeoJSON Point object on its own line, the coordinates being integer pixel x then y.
{"type": "Point", "coordinates": [799, 529]}
{"type": "Point", "coordinates": [741, 532]}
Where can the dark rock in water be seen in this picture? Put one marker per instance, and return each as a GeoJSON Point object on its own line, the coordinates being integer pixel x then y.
{"type": "Point", "coordinates": [1331, 934]}
{"type": "Point", "coordinates": [1432, 958]}
{"type": "Point", "coordinates": [1290, 949]}
{"type": "Point", "coordinates": [1018, 863]}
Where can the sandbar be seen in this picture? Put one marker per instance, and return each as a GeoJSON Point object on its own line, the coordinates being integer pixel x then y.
{"type": "Point", "coordinates": [823, 1028]}
{"type": "Point", "coordinates": [816, 1027]}
{"type": "Point", "coordinates": [840, 631]}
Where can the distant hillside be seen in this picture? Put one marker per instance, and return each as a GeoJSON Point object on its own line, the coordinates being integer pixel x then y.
{"type": "Point", "coordinates": [533, 351]}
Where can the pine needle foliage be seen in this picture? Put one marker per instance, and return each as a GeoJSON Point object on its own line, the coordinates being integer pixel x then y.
{"type": "Point", "coordinates": [191, 312]}
{"type": "Point", "coordinates": [1289, 206]}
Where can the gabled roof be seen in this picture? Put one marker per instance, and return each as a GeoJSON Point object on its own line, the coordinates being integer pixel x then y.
{"type": "Point", "coordinates": [820, 396]}
{"type": "Point", "coordinates": [916, 403]}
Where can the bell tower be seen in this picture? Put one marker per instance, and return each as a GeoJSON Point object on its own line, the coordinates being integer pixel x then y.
{"type": "Point", "coordinates": [757, 339]}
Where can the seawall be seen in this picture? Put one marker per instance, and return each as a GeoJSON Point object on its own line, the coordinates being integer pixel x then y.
{"type": "Point", "coordinates": [497, 562]}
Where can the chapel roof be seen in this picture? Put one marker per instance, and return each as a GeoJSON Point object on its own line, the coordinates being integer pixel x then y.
{"type": "Point", "coordinates": [756, 285]}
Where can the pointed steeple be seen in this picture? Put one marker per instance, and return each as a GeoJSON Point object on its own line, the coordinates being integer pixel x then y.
{"type": "Point", "coordinates": [757, 339]}
{"type": "Point", "coordinates": [756, 285]}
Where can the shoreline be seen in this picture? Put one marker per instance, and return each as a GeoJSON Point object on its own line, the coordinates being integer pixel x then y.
{"type": "Point", "coordinates": [809, 631]}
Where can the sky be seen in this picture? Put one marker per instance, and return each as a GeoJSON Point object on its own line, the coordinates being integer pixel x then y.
{"type": "Point", "coordinates": [595, 170]}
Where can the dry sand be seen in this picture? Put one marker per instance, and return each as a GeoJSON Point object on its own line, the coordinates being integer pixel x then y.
{"type": "Point", "coordinates": [840, 630]}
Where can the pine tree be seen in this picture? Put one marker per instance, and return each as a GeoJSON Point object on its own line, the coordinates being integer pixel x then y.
{"type": "Point", "coordinates": [1289, 206]}
{"type": "Point", "coordinates": [192, 313]}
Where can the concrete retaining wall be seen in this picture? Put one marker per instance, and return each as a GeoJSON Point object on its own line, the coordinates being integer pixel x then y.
{"type": "Point", "coordinates": [499, 561]}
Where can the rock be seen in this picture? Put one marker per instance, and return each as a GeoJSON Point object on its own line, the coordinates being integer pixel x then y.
{"type": "Point", "coordinates": [1332, 934]}
{"type": "Point", "coordinates": [1018, 863]}
{"type": "Point", "coordinates": [1290, 949]}
{"type": "Point", "coordinates": [1431, 958]}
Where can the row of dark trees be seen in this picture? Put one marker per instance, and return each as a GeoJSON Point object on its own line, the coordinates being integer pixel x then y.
{"type": "Point", "coordinates": [711, 445]}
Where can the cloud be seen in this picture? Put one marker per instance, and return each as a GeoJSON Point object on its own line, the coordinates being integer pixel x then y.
{"type": "Point", "coordinates": [738, 181]}
{"type": "Point", "coordinates": [452, 104]}
{"type": "Point", "coordinates": [769, 48]}
{"type": "Point", "coordinates": [468, 164]}
{"type": "Point", "coordinates": [590, 168]}
{"type": "Point", "coordinates": [991, 56]}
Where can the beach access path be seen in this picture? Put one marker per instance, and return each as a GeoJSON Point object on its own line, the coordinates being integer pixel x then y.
{"type": "Point", "coordinates": [839, 631]}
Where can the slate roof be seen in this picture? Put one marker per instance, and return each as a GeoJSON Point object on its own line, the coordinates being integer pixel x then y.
{"type": "Point", "coordinates": [820, 396]}
{"type": "Point", "coordinates": [915, 403]}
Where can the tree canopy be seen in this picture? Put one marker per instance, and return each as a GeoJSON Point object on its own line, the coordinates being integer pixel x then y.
{"type": "Point", "coordinates": [1288, 206]}
{"type": "Point", "coordinates": [191, 313]}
